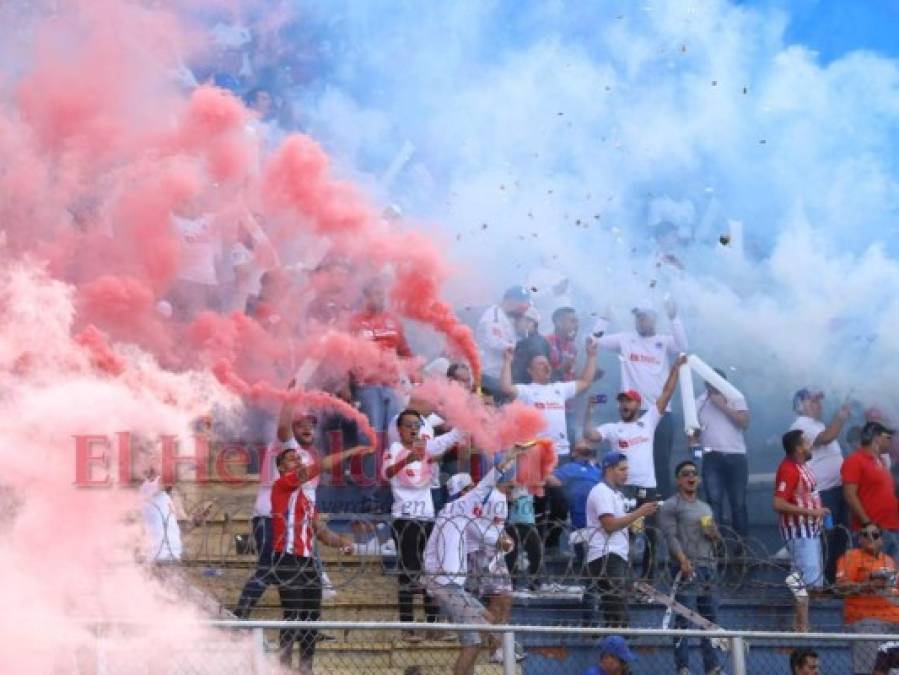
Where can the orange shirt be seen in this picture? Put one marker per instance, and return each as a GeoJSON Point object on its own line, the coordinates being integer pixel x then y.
{"type": "Point", "coordinates": [856, 566]}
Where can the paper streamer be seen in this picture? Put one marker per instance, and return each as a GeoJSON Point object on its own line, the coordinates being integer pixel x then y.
{"type": "Point", "coordinates": [688, 399]}
{"type": "Point", "coordinates": [701, 368]}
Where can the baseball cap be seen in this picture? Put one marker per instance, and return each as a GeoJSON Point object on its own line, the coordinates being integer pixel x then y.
{"type": "Point", "coordinates": [805, 394]}
{"type": "Point", "coordinates": [456, 483]}
{"type": "Point", "coordinates": [875, 429]}
{"type": "Point", "coordinates": [612, 458]}
{"type": "Point", "coordinates": [632, 394]}
{"type": "Point", "coordinates": [644, 309]}
{"type": "Point", "coordinates": [617, 647]}
{"type": "Point", "coordinates": [519, 293]}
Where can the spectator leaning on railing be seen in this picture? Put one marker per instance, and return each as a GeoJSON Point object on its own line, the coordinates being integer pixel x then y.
{"type": "Point", "coordinates": [866, 576]}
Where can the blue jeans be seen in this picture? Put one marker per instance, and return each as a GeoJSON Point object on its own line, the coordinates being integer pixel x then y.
{"type": "Point", "coordinates": [699, 594]}
{"type": "Point", "coordinates": [727, 474]}
{"type": "Point", "coordinates": [380, 404]}
{"type": "Point", "coordinates": [263, 576]}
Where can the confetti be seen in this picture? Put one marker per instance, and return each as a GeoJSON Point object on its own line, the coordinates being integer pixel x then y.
{"type": "Point", "coordinates": [724, 239]}
{"type": "Point", "coordinates": [714, 83]}
{"type": "Point", "coordinates": [534, 289]}
{"type": "Point", "coordinates": [560, 114]}
{"type": "Point", "coordinates": [652, 283]}
{"type": "Point", "coordinates": [483, 226]}
{"type": "Point", "coordinates": [762, 141]}
{"type": "Point", "coordinates": [745, 90]}
{"type": "Point", "coordinates": [530, 214]}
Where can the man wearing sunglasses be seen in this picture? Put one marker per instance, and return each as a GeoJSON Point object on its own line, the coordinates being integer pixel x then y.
{"type": "Point", "coordinates": [867, 578]}
{"type": "Point", "coordinates": [689, 529]}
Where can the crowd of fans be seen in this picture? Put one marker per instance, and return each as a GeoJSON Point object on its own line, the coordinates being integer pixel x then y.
{"type": "Point", "coordinates": [467, 537]}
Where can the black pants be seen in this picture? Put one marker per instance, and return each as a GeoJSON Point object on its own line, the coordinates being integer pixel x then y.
{"type": "Point", "coordinates": [525, 536]}
{"type": "Point", "coordinates": [662, 442]}
{"type": "Point", "coordinates": [411, 537]}
{"type": "Point", "coordinates": [300, 590]}
{"type": "Point", "coordinates": [552, 514]}
{"type": "Point", "coordinates": [609, 583]}
{"type": "Point", "coordinates": [263, 576]}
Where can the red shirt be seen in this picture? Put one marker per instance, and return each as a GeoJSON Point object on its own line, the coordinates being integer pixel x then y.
{"type": "Point", "coordinates": [795, 483]}
{"type": "Point", "coordinates": [292, 516]}
{"type": "Point", "coordinates": [875, 489]}
{"type": "Point", "coordinates": [382, 328]}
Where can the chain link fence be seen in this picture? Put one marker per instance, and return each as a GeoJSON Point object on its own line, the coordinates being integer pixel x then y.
{"type": "Point", "coordinates": [367, 649]}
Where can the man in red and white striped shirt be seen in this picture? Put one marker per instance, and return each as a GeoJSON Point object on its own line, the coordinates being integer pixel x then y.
{"type": "Point", "coordinates": [295, 525]}
{"type": "Point", "coordinates": [800, 515]}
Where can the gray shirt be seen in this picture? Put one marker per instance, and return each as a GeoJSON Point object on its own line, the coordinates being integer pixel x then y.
{"type": "Point", "coordinates": [680, 522]}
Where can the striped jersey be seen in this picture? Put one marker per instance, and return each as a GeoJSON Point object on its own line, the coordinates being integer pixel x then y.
{"type": "Point", "coordinates": [292, 517]}
{"type": "Point", "coordinates": [795, 483]}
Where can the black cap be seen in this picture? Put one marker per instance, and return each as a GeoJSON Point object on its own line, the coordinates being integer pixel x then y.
{"type": "Point", "coordinates": [872, 429]}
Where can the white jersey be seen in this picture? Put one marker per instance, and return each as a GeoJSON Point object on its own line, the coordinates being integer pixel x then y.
{"type": "Point", "coordinates": [635, 441]}
{"type": "Point", "coordinates": [646, 361]}
{"type": "Point", "coordinates": [826, 460]}
{"type": "Point", "coordinates": [446, 553]}
{"type": "Point", "coordinates": [494, 334]}
{"type": "Point", "coordinates": [488, 521]}
{"type": "Point", "coordinates": [163, 541]}
{"type": "Point", "coordinates": [550, 399]}
{"type": "Point", "coordinates": [602, 501]}
{"type": "Point", "coordinates": [199, 249]}
{"type": "Point", "coordinates": [434, 445]}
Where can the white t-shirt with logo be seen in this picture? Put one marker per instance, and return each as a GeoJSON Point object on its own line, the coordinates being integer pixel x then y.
{"type": "Point", "coordinates": [635, 441]}
{"type": "Point", "coordinates": [827, 459]}
{"type": "Point", "coordinates": [645, 361]}
{"type": "Point", "coordinates": [411, 486]}
{"type": "Point", "coordinates": [550, 400]}
{"type": "Point", "coordinates": [719, 433]}
{"type": "Point", "coordinates": [495, 333]}
{"type": "Point", "coordinates": [199, 248]}
{"type": "Point", "coordinates": [488, 520]}
{"type": "Point", "coordinates": [602, 501]}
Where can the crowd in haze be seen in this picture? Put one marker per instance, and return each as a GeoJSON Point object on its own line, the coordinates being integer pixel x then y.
{"type": "Point", "coordinates": [629, 493]}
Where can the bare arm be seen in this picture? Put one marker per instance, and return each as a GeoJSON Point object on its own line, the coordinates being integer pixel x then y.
{"type": "Point", "coordinates": [590, 432]}
{"type": "Point", "coordinates": [336, 459]}
{"type": "Point", "coordinates": [670, 385]}
{"type": "Point", "coordinates": [739, 418]}
{"type": "Point", "coordinates": [833, 430]}
{"type": "Point", "coordinates": [612, 523]}
{"type": "Point", "coordinates": [329, 537]}
{"type": "Point", "coordinates": [589, 373]}
{"type": "Point", "coordinates": [505, 378]}
{"type": "Point", "coordinates": [850, 492]}
{"type": "Point", "coordinates": [781, 505]}
{"type": "Point", "coordinates": [416, 454]}
{"type": "Point", "coordinates": [285, 419]}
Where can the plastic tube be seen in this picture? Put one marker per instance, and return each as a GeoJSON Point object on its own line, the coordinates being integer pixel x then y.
{"type": "Point", "coordinates": [688, 399]}
{"type": "Point", "coordinates": [701, 368]}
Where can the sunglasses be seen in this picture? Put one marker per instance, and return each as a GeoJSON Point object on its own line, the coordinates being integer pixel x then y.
{"type": "Point", "coordinates": [874, 536]}
{"type": "Point", "coordinates": [413, 426]}
{"type": "Point", "coordinates": [688, 473]}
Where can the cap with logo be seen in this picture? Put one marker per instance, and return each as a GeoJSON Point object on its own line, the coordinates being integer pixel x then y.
{"type": "Point", "coordinates": [613, 458]}
{"type": "Point", "coordinates": [632, 394]}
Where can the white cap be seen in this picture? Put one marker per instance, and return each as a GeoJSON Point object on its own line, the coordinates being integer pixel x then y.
{"type": "Point", "coordinates": [457, 483]}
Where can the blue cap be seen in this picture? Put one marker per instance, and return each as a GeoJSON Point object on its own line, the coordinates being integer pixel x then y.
{"type": "Point", "coordinates": [519, 293]}
{"type": "Point", "coordinates": [617, 647]}
{"type": "Point", "coordinates": [805, 394]}
{"type": "Point", "coordinates": [613, 458]}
